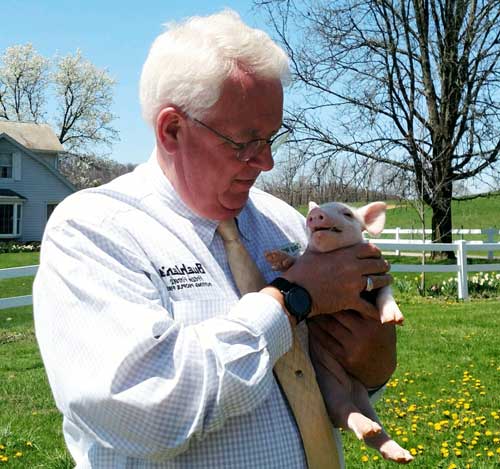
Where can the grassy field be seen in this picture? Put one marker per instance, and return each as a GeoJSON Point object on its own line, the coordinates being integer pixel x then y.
{"type": "Point", "coordinates": [442, 403]}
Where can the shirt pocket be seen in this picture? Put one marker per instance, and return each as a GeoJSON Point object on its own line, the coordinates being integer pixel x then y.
{"type": "Point", "coordinates": [190, 312]}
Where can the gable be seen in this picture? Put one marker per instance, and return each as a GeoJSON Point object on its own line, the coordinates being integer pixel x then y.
{"type": "Point", "coordinates": [19, 149]}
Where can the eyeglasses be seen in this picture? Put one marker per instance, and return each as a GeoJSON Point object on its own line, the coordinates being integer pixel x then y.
{"type": "Point", "coordinates": [245, 151]}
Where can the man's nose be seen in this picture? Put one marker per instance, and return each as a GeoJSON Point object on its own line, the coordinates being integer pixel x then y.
{"type": "Point", "coordinates": [263, 160]}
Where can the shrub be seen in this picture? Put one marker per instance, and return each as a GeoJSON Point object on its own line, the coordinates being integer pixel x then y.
{"type": "Point", "coordinates": [16, 246]}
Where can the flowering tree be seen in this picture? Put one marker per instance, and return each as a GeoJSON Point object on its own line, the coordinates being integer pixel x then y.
{"type": "Point", "coordinates": [82, 94]}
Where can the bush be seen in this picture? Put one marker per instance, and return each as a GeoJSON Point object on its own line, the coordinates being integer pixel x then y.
{"type": "Point", "coordinates": [16, 246]}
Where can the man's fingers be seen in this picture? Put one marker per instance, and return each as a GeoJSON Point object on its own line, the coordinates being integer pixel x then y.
{"type": "Point", "coordinates": [368, 251]}
{"type": "Point", "coordinates": [378, 281]}
{"type": "Point", "coordinates": [375, 266]}
{"type": "Point", "coordinates": [318, 335]}
{"type": "Point", "coordinates": [366, 309]}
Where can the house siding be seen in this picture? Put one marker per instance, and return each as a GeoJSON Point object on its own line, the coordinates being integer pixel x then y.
{"type": "Point", "coordinates": [39, 186]}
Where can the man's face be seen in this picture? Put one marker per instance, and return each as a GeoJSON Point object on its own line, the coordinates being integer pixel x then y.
{"type": "Point", "coordinates": [205, 172]}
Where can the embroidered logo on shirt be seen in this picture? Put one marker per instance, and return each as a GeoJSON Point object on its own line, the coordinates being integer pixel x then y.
{"type": "Point", "coordinates": [184, 276]}
{"type": "Point", "coordinates": [291, 248]}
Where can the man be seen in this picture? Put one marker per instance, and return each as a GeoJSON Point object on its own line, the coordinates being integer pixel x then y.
{"type": "Point", "coordinates": [153, 357]}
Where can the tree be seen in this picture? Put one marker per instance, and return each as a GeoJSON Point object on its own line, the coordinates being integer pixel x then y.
{"type": "Point", "coordinates": [81, 93]}
{"type": "Point", "coordinates": [409, 83]}
{"type": "Point", "coordinates": [23, 78]}
{"type": "Point", "coordinates": [85, 171]}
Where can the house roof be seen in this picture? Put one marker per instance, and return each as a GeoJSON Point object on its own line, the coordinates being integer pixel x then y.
{"type": "Point", "coordinates": [37, 158]}
{"type": "Point", "coordinates": [31, 135]}
{"type": "Point", "coordinates": [9, 193]}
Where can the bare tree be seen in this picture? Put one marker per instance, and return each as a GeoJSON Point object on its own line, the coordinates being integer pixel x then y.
{"type": "Point", "coordinates": [81, 93]}
{"type": "Point", "coordinates": [409, 83]}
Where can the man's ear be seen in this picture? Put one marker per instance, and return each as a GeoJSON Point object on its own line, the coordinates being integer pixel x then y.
{"type": "Point", "coordinates": [168, 123]}
{"type": "Point", "coordinates": [373, 217]}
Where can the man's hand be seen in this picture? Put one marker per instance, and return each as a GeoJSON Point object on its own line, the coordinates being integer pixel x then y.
{"type": "Point", "coordinates": [364, 347]}
{"type": "Point", "coordinates": [336, 279]}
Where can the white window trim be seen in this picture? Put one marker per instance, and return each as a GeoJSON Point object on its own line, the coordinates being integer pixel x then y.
{"type": "Point", "coordinates": [18, 215]}
{"type": "Point", "coordinates": [11, 167]}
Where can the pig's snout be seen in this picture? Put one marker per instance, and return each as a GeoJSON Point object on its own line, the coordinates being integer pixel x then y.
{"type": "Point", "coordinates": [318, 219]}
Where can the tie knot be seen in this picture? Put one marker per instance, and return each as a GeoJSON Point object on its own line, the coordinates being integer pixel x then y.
{"type": "Point", "coordinates": [228, 230]}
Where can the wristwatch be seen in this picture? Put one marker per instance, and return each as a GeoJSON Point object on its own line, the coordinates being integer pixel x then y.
{"type": "Point", "coordinates": [297, 299]}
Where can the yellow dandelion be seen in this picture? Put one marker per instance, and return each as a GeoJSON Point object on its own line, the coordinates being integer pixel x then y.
{"type": "Point", "coordinates": [365, 458]}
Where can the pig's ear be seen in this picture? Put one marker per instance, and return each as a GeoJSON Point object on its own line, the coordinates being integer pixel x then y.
{"type": "Point", "coordinates": [373, 217]}
{"type": "Point", "coordinates": [312, 205]}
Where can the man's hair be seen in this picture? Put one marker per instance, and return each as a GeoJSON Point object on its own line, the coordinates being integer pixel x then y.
{"type": "Point", "coordinates": [188, 64]}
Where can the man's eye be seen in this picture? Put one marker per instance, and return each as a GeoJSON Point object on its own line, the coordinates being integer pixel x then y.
{"type": "Point", "coordinates": [348, 214]}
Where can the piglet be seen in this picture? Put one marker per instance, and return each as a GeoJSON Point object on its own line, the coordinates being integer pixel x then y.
{"type": "Point", "coordinates": [333, 226]}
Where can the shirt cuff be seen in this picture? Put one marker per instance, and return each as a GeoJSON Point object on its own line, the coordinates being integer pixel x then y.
{"type": "Point", "coordinates": [269, 321]}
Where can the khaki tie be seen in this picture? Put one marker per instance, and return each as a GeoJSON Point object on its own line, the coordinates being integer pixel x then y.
{"type": "Point", "coordinates": [294, 369]}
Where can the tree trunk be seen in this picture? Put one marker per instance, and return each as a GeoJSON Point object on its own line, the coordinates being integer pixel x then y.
{"type": "Point", "coordinates": [442, 219]}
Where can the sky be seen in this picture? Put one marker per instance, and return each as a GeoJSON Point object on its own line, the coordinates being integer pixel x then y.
{"type": "Point", "coordinates": [114, 35]}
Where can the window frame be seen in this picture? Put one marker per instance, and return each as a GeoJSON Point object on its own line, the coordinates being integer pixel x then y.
{"type": "Point", "coordinates": [11, 177]}
{"type": "Point", "coordinates": [17, 217]}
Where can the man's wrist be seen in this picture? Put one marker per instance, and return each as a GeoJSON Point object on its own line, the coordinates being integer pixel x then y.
{"type": "Point", "coordinates": [278, 296]}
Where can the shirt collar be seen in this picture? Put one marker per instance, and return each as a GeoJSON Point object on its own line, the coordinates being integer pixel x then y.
{"type": "Point", "coordinates": [204, 227]}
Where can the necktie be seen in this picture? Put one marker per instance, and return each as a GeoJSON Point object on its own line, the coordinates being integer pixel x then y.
{"type": "Point", "coordinates": [293, 370]}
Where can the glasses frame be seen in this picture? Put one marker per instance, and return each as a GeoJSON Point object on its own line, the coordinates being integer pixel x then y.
{"type": "Point", "coordinates": [246, 151]}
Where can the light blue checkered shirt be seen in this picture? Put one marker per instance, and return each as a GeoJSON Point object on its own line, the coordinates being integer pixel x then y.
{"type": "Point", "coordinates": [152, 358]}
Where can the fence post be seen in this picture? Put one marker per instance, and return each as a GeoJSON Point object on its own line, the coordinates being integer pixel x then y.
{"type": "Point", "coordinates": [397, 239]}
{"type": "Point", "coordinates": [463, 291]}
{"type": "Point", "coordinates": [490, 232]}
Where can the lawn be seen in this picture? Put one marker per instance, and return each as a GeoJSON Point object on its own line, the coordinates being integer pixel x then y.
{"type": "Point", "coordinates": [442, 403]}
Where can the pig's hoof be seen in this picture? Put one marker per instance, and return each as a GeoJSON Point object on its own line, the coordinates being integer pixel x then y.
{"type": "Point", "coordinates": [278, 260]}
{"type": "Point", "coordinates": [363, 427]}
{"type": "Point", "coordinates": [392, 316]}
{"type": "Point", "coordinates": [392, 451]}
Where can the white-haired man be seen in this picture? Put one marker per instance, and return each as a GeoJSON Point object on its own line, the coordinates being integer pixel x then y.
{"type": "Point", "coordinates": [153, 357]}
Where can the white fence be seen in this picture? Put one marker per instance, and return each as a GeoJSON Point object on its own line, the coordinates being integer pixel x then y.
{"type": "Point", "coordinates": [461, 268]}
{"type": "Point", "coordinates": [401, 234]}
{"type": "Point", "coordinates": [16, 272]}
{"type": "Point", "coordinates": [461, 249]}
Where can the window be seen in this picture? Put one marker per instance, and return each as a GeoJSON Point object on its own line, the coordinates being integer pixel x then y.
{"type": "Point", "coordinates": [6, 165]}
{"type": "Point", "coordinates": [50, 209]}
{"type": "Point", "coordinates": [10, 220]}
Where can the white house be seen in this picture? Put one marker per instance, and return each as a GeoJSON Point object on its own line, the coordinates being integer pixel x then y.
{"type": "Point", "coordinates": [30, 184]}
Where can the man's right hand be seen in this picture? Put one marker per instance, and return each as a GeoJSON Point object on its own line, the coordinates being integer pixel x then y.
{"type": "Point", "coordinates": [336, 279]}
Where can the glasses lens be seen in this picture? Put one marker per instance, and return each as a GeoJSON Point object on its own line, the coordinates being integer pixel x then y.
{"type": "Point", "coordinates": [251, 150]}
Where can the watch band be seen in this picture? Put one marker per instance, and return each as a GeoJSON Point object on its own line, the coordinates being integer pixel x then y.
{"type": "Point", "coordinates": [297, 299]}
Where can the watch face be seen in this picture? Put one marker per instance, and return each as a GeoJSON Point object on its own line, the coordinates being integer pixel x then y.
{"type": "Point", "coordinates": [300, 302]}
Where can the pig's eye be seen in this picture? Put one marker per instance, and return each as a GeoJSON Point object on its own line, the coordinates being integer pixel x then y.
{"type": "Point", "coordinates": [348, 214]}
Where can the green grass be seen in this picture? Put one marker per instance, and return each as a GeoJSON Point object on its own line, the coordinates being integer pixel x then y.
{"type": "Point", "coordinates": [440, 341]}
{"type": "Point", "coordinates": [17, 286]}
{"type": "Point", "coordinates": [19, 259]}
{"type": "Point", "coordinates": [448, 351]}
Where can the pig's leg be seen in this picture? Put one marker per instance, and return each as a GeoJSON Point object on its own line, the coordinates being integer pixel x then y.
{"type": "Point", "coordinates": [336, 388]}
{"type": "Point", "coordinates": [389, 310]}
{"type": "Point", "coordinates": [279, 260]}
{"type": "Point", "coordinates": [381, 441]}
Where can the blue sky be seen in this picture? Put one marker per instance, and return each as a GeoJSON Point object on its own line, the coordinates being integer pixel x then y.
{"type": "Point", "coordinates": [112, 34]}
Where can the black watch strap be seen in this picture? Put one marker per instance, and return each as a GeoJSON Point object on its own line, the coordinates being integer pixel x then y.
{"type": "Point", "coordinates": [297, 299]}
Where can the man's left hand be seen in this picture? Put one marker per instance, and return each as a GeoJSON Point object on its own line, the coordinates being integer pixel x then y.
{"type": "Point", "coordinates": [364, 347]}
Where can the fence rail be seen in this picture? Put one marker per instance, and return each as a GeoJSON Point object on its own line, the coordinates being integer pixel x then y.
{"type": "Point", "coordinates": [16, 272]}
{"type": "Point", "coordinates": [490, 233]}
{"type": "Point", "coordinates": [461, 268]}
